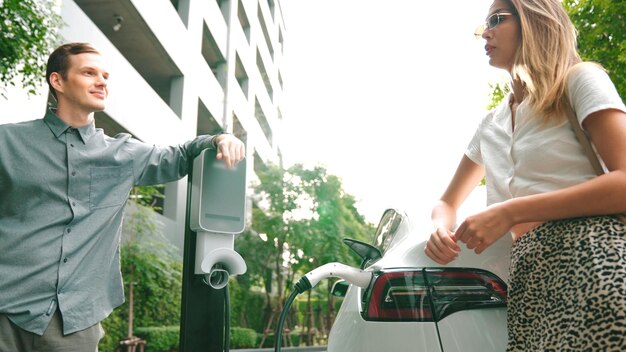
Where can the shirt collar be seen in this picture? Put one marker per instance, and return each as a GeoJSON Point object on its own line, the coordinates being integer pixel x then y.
{"type": "Point", "coordinates": [502, 115]}
{"type": "Point", "coordinates": [58, 126]}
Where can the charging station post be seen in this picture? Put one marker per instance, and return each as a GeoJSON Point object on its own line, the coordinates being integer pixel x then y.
{"type": "Point", "coordinates": [216, 212]}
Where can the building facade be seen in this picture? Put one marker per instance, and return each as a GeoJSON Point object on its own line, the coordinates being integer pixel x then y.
{"type": "Point", "coordinates": [181, 68]}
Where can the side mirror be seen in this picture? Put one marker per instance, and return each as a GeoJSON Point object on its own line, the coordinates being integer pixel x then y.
{"type": "Point", "coordinates": [367, 252]}
{"type": "Point", "coordinates": [387, 228]}
{"type": "Point", "coordinates": [340, 288]}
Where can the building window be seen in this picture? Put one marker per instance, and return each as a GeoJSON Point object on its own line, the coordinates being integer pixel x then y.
{"type": "Point", "coordinates": [206, 123]}
{"type": "Point", "coordinates": [270, 4]}
{"type": "Point", "coordinates": [238, 130]}
{"type": "Point", "coordinates": [241, 75]}
{"type": "Point", "coordinates": [213, 55]}
{"type": "Point", "coordinates": [223, 5]}
{"type": "Point", "coordinates": [265, 32]}
{"type": "Point", "coordinates": [262, 120]}
{"type": "Point", "coordinates": [243, 20]}
{"type": "Point", "coordinates": [263, 73]}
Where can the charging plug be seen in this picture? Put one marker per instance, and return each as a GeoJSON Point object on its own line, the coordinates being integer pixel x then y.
{"type": "Point", "coordinates": [355, 276]}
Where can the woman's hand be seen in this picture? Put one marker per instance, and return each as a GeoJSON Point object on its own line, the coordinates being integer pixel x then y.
{"type": "Point", "coordinates": [481, 230]}
{"type": "Point", "coordinates": [442, 247]}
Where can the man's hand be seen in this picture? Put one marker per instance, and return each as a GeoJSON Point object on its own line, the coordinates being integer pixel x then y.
{"type": "Point", "coordinates": [230, 149]}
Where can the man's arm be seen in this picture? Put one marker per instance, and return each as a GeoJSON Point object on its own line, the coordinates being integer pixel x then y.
{"type": "Point", "coordinates": [154, 164]}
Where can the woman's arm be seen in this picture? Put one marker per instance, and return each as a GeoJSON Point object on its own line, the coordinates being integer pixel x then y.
{"type": "Point", "coordinates": [442, 247]}
{"type": "Point", "coordinates": [605, 194]}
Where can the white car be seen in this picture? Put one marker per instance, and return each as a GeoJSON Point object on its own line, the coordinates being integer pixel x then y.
{"type": "Point", "coordinates": [415, 304]}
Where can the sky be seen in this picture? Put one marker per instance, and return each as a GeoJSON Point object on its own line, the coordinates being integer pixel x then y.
{"type": "Point", "coordinates": [386, 95]}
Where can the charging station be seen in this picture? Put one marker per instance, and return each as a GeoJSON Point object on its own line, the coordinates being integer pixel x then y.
{"type": "Point", "coordinates": [216, 206]}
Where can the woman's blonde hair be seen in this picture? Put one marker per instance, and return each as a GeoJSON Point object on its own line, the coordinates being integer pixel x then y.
{"type": "Point", "coordinates": [546, 53]}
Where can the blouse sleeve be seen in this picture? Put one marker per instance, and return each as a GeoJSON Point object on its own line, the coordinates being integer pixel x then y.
{"type": "Point", "coordinates": [590, 90]}
{"type": "Point", "coordinates": [473, 149]}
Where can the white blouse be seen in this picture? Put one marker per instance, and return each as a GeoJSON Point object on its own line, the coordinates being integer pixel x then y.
{"type": "Point", "coordinates": [538, 157]}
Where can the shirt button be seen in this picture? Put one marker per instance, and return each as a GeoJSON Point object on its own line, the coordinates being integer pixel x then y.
{"type": "Point", "coordinates": [73, 173]}
{"type": "Point", "coordinates": [65, 260]}
{"type": "Point", "coordinates": [71, 145]}
{"type": "Point", "coordinates": [69, 230]}
{"type": "Point", "coordinates": [74, 203]}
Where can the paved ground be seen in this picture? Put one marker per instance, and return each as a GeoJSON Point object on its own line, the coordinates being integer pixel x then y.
{"type": "Point", "coordinates": [286, 349]}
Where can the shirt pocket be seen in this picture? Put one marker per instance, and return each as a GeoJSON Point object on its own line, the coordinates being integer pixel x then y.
{"type": "Point", "coordinates": [109, 186]}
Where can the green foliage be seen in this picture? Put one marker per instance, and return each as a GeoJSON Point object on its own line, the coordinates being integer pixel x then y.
{"type": "Point", "coordinates": [497, 94]}
{"type": "Point", "coordinates": [247, 303]}
{"type": "Point", "coordinates": [148, 196]}
{"type": "Point", "coordinates": [601, 28]}
{"type": "Point", "coordinates": [301, 219]}
{"type": "Point", "coordinates": [28, 30]}
{"type": "Point", "coordinates": [242, 337]}
{"type": "Point", "coordinates": [115, 328]}
{"type": "Point", "coordinates": [160, 338]}
{"type": "Point", "coordinates": [157, 287]}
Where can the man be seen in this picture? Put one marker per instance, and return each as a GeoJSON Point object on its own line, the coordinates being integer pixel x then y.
{"type": "Point", "coordinates": [63, 188]}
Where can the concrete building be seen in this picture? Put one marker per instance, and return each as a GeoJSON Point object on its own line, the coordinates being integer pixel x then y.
{"type": "Point", "coordinates": [180, 68]}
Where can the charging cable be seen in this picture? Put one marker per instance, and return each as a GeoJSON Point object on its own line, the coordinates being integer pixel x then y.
{"type": "Point", "coordinates": [355, 276]}
{"type": "Point", "coordinates": [207, 280]}
{"type": "Point", "coordinates": [226, 319]}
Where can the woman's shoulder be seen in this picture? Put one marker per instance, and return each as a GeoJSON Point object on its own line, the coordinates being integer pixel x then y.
{"type": "Point", "coordinates": [590, 89]}
{"type": "Point", "coordinates": [586, 71]}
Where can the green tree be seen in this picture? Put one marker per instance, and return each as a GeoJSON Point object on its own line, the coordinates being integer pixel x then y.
{"type": "Point", "coordinates": [299, 222]}
{"type": "Point", "coordinates": [498, 92]}
{"type": "Point", "coordinates": [601, 28]}
{"type": "Point", "coordinates": [28, 33]}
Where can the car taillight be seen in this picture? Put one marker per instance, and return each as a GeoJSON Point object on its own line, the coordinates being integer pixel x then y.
{"type": "Point", "coordinates": [430, 294]}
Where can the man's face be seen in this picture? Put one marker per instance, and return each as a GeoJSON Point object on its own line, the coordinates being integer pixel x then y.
{"type": "Point", "coordinates": [85, 88]}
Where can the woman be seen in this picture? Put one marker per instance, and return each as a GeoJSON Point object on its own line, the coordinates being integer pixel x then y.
{"type": "Point", "coordinates": [567, 288]}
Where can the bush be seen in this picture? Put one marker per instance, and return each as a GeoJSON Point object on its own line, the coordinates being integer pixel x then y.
{"type": "Point", "coordinates": [242, 337]}
{"type": "Point", "coordinates": [247, 305]}
{"type": "Point", "coordinates": [160, 338]}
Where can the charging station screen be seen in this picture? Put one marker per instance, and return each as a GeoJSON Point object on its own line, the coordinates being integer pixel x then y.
{"type": "Point", "coordinates": [223, 195]}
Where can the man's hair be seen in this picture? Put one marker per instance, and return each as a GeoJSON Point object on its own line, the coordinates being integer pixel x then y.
{"type": "Point", "coordinates": [59, 60]}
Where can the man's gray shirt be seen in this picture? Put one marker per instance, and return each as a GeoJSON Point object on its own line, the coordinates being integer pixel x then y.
{"type": "Point", "coordinates": [62, 198]}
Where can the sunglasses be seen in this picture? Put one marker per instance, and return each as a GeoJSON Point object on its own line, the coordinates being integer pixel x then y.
{"type": "Point", "coordinates": [492, 22]}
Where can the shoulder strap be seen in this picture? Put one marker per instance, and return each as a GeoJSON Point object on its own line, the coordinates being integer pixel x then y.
{"type": "Point", "coordinates": [584, 140]}
{"type": "Point", "coordinates": [586, 143]}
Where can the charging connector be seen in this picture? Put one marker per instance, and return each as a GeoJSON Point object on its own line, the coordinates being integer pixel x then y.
{"type": "Point", "coordinates": [355, 276]}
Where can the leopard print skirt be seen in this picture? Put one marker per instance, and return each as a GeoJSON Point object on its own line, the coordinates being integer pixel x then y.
{"type": "Point", "coordinates": [567, 288]}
